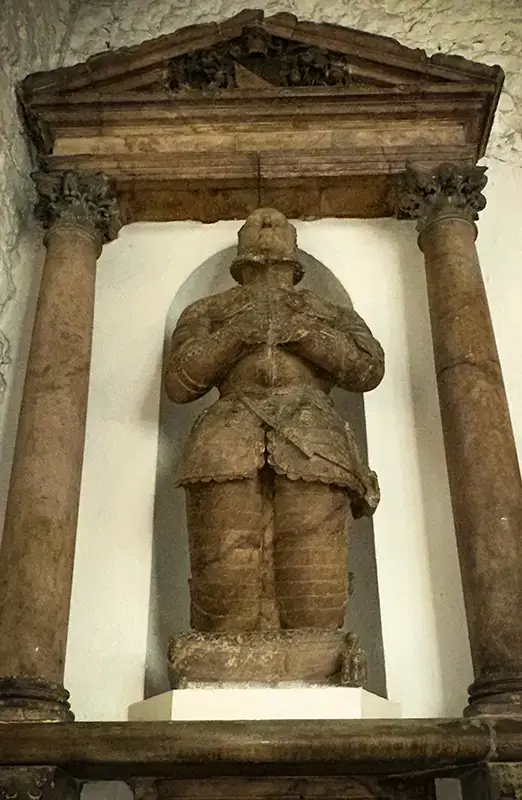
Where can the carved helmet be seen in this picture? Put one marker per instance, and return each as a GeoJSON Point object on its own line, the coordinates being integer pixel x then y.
{"type": "Point", "coordinates": [267, 237]}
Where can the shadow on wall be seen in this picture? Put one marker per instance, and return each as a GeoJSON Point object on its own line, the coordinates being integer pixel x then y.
{"type": "Point", "coordinates": [169, 602]}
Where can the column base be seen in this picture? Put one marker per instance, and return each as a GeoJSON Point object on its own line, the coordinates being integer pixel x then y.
{"type": "Point", "coordinates": [33, 700]}
{"type": "Point", "coordinates": [495, 697]}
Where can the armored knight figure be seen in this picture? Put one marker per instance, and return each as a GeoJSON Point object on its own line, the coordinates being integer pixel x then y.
{"type": "Point", "coordinates": [272, 474]}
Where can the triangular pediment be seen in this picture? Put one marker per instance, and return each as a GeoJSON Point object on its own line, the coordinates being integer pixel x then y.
{"type": "Point", "coordinates": [215, 119]}
{"type": "Point", "coordinates": [250, 51]}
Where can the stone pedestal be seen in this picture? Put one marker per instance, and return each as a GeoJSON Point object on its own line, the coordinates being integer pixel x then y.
{"type": "Point", "coordinates": [37, 551]}
{"type": "Point", "coordinates": [316, 656]}
{"type": "Point", "coordinates": [485, 484]}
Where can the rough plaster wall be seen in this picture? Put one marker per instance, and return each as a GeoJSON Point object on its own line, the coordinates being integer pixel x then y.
{"type": "Point", "coordinates": [483, 30]}
{"type": "Point", "coordinates": [31, 38]}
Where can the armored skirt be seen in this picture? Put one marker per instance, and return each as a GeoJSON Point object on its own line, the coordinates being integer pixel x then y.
{"type": "Point", "coordinates": [295, 431]}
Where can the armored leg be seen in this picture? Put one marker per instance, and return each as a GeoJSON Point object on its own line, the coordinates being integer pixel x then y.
{"type": "Point", "coordinates": [227, 524]}
{"type": "Point", "coordinates": [310, 553]}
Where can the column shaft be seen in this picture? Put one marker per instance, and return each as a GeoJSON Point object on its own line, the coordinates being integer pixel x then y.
{"type": "Point", "coordinates": [37, 551]}
{"type": "Point", "coordinates": [480, 449]}
{"type": "Point", "coordinates": [484, 475]}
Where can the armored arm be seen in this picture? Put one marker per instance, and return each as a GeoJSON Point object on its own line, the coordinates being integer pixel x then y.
{"type": "Point", "coordinates": [198, 357]}
{"type": "Point", "coordinates": [345, 349]}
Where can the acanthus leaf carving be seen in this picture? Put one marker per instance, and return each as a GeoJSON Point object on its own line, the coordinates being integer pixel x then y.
{"type": "Point", "coordinates": [448, 190]}
{"type": "Point", "coordinates": [83, 199]}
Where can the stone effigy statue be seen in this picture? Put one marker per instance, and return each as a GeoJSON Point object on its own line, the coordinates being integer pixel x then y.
{"type": "Point", "coordinates": [272, 474]}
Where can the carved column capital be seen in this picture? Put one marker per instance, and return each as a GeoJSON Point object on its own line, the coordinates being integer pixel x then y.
{"type": "Point", "coordinates": [79, 200]}
{"type": "Point", "coordinates": [446, 191]}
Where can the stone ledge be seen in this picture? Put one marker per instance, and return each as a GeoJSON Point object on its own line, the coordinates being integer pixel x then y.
{"type": "Point", "coordinates": [123, 750]}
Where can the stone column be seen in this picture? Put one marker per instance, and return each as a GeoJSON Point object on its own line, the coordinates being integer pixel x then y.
{"type": "Point", "coordinates": [484, 476]}
{"type": "Point", "coordinates": [37, 550]}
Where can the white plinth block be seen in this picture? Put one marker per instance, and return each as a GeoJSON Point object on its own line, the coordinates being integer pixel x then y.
{"type": "Point", "coordinates": [255, 703]}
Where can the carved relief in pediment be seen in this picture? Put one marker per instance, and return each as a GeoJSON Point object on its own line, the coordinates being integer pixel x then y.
{"type": "Point", "coordinates": [275, 61]}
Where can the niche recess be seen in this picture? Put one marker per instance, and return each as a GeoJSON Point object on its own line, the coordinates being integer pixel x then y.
{"type": "Point", "coordinates": [169, 600]}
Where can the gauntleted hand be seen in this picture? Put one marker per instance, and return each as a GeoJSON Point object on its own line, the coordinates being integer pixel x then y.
{"type": "Point", "coordinates": [288, 323]}
{"type": "Point", "coordinates": [250, 324]}
{"type": "Point", "coordinates": [272, 316]}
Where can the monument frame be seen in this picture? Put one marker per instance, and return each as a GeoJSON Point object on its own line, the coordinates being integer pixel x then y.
{"type": "Point", "coordinates": [333, 122]}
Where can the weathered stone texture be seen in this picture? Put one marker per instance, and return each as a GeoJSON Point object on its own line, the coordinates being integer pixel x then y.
{"type": "Point", "coordinates": [40, 522]}
{"type": "Point", "coordinates": [32, 36]}
{"type": "Point", "coordinates": [272, 474]}
{"type": "Point", "coordinates": [482, 30]}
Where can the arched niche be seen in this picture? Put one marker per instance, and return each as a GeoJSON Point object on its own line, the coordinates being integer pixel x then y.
{"type": "Point", "coordinates": [138, 278]}
{"type": "Point", "coordinates": [169, 601]}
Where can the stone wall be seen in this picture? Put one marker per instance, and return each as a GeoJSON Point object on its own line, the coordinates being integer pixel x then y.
{"type": "Point", "coordinates": [32, 37]}
{"type": "Point", "coordinates": [483, 30]}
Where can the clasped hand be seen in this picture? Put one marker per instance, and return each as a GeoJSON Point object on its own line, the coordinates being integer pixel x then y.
{"type": "Point", "coordinates": [271, 319]}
